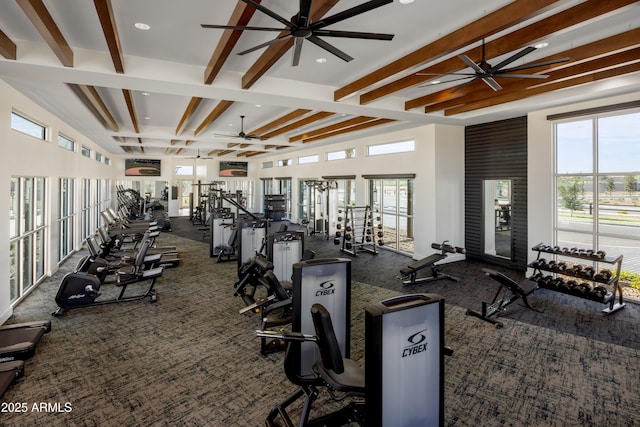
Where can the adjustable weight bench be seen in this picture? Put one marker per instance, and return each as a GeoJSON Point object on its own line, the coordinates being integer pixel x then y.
{"type": "Point", "coordinates": [508, 292]}
{"type": "Point", "coordinates": [410, 272]}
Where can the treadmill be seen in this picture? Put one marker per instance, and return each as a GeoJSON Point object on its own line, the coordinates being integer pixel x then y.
{"type": "Point", "coordinates": [18, 341]}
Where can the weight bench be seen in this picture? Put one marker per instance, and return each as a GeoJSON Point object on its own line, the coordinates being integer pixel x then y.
{"type": "Point", "coordinates": [508, 292]}
{"type": "Point", "coordinates": [410, 272]}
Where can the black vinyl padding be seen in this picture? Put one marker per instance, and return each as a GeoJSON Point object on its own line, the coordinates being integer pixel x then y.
{"type": "Point", "coordinates": [19, 343]}
{"type": "Point", "coordinates": [423, 263]}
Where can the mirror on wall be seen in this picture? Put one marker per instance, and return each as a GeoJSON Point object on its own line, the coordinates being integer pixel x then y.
{"type": "Point", "coordinates": [497, 217]}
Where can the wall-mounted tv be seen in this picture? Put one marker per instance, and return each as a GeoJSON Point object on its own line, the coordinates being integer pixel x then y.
{"type": "Point", "coordinates": [233, 169]}
{"type": "Point", "coordinates": [141, 167]}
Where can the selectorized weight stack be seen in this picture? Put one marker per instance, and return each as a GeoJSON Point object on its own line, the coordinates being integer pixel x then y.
{"type": "Point", "coordinates": [327, 282]}
{"type": "Point", "coordinates": [404, 361]}
{"type": "Point", "coordinates": [284, 249]}
{"type": "Point", "coordinates": [220, 225]}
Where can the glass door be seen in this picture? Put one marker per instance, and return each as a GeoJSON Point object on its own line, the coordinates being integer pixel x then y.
{"type": "Point", "coordinates": [392, 201]}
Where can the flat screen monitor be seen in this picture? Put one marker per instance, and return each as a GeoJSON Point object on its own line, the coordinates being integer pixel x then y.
{"type": "Point", "coordinates": [233, 169]}
{"type": "Point", "coordinates": [141, 167]}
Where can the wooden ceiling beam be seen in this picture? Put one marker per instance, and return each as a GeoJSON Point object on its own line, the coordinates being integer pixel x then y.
{"type": "Point", "coordinates": [128, 99]}
{"type": "Point", "coordinates": [168, 150]}
{"type": "Point", "coordinates": [255, 153]}
{"type": "Point", "coordinates": [212, 152]}
{"type": "Point", "coordinates": [225, 152]}
{"type": "Point", "coordinates": [241, 16]}
{"type": "Point", "coordinates": [444, 99]}
{"type": "Point", "coordinates": [179, 150]}
{"type": "Point", "coordinates": [188, 113]}
{"type": "Point", "coordinates": [108, 23]}
{"type": "Point", "coordinates": [562, 84]}
{"type": "Point", "coordinates": [376, 122]}
{"type": "Point", "coordinates": [8, 48]}
{"type": "Point", "coordinates": [39, 16]}
{"type": "Point", "coordinates": [512, 14]}
{"type": "Point", "coordinates": [302, 122]}
{"type": "Point", "coordinates": [273, 53]}
{"type": "Point", "coordinates": [280, 121]}
{"type": "Point", "coordinates": [91, 98]}
{"type": "Point", "coordinates": [213, 115]}
{"type": "Point", "coordinates": [570, 18]}
{"type": "Point", "coordinates": [336, 126]}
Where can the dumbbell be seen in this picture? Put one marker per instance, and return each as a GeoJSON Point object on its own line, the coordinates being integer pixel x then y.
{"type": "Point", "coordinates": [598, 292]}
{"type": "Point", "coordinates": [561, 266]}
{"type": "Point", "coordinates": [551, 265]}
{"type": "Point", "coordinates": [556, 249]}
{"type": "Point", "coordinates": [347, 237]}
{"type": "Point", "coordinates": [587, 272]}
{"type": "Point", "coordinates": [581, 289]}
{"type": "Point", "coordinates": [348, 228]}
{"type": "Point", "coordinates": [600, 254]}
{"type": "Point", "coordinates": [338, 226]}
{"type": "Point", "coordinates": [603, 275]}
{"type": "Point", "coordinates": [367, 239]}
{"type": "Point", "coordinates": [340, 219]}
{"type": "Point", "coordinates": [336, 241]}
{"type": "Point", "coordinates": [368, 231]}
{"type": "Point", "coordinates": [380, 234]}
{"type": "Point", "coordinates": [380, 242]}
{"type": "Point", "coordinates": [348, 245]}
{"type": "Point", "coordinates": [379, 226]}
{"type": "Point", "coordinates": [338, 234]}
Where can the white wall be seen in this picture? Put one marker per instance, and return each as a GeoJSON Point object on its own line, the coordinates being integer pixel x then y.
{"type": "Point", "coordinates": [24, 155]}
{"type": "Point", "coordinates": [541, 203]}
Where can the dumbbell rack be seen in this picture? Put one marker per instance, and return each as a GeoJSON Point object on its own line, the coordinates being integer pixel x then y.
{"type": "Point", "coordinates": [610, 295]}
{"type": "Point", "coordinates": [358, 234]}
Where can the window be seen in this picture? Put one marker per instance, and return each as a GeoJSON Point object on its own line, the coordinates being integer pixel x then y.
{"type": "Point", "coordinates": [27, 231]}
{"type": "Point", "coordinates": [391, 148]}
{"type": "Point", "coordinates": [66, 143]}
{"type": "Point", "coordinates": [308, 159]}
{"type": "Point", "coordinates": [597, 192]}
{"type": "Point", "coordinates": [87, 228]}
{"type": "Point", "coordinates": [107, 161]}
{"type": "Point", "coordinates": [98, 157]}
{"type": "Point", "coordinates": [392, 201]}
{"type": "Point", "coordinates": [28, 126]}
{"type": "Point", "coordinates": [349, 153]}
{"type": "Point", "coordinates": [285, 162]}
{"type": "Point", "coordinates": [184, 170]}
{"type": "Point", "coordinates": [86, 151]}
{"type": "Point", "coordinates": [283, 186]}
{"type": "Point", "coordinates": [66, 217]}
{"type": "Point", "coordinates": [267, 165]}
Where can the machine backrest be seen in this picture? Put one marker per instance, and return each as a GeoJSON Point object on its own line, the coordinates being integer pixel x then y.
{"type": "Point", "coordinates": [233, 237]}
{"type": "Point", "coordinates": [327, 342]}
{"type": "Point", "coordinates": [142, 253]}
{"type": "Point", "coordinates": [275, 285]}
{"type": "Point", "coordinates": [307, 255]}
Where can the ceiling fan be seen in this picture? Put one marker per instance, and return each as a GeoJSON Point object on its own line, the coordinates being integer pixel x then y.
{"type": "Point", "coordinates": [488, 73]}
{"type": "Point", "coordinates": [241, 134]}
{"type": "Point", "coordinates": [198, 156]}
{"type": "Point", "coordinates": [301, 28]}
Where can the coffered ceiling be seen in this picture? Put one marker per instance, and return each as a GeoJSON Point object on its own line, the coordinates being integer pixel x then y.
{"type": "Point", "coordinates": [177, 89]}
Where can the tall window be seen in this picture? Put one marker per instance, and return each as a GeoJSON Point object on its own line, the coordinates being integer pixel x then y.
{"type": "Point", "coordinates": [392, 201]}
{"type": "Point", "coordinates": [66, 217]}
{"type": "Point", "coordinates": [97, 204]}
{"type": "Point", "coordinates": [86, 208]}
{"type": "Point", "coordinates": [267, 188]}
{"type": "Point", "coordinates": [597, 191]}
{"type": "Point", "coordinates": [26, 234]}
{"type": "Point", "coordinates": [305, 208]}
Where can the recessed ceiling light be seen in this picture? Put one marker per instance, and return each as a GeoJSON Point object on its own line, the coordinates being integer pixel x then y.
{"type": "Point", "coordinates": [321, 60]}
{"type": "Point", "coordinates": [406, 1]}
{"type": "Point", "coordinates": [147, 118]}
{"type": "Point", "coordinates": [435, 82]}
{"type": "Point", "coordinates": [541, 45]}
{"type": "Point", "coordinates": [142, 26]}
{"type": "Point", "coordinates": [145, 93]}
{"type": "Point", "coordinates": [258, 105]}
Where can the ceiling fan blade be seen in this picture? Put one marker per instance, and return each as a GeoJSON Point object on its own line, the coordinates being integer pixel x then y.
{"type": "Point", "coordinates": [349, 13]}
{"type": "Point", "coordinates": [297, 49]}
{"type": "Point", "coordinates": [353, 34]}
{"type": "Point", "coordinates": [446, 81]}
{"type": "Point", "coordinates": [457, 88]}
{"type": "Point", "coordinates": [521, 76]}
{"type": "Point", "coordinates": [265, 44]}
{"type": "Point", "coordinates": [240, 27]}
{"type": "Point", "coordinates": [472, 64]}
{"type": "Point", "coordinates": [269, 12]}
{"type": "Point", "coordinates": [492, 83]}
{"type": "Point", "coordinates": [537, 64]}
{"type": "Point", "coordinates": [446, 74]}
{"type": "Point", "coordinates": [329, 48]}
{"type": "Point", "coordinates": [304, 16]}
{"type": "Point", "coordinates": [527, 50]}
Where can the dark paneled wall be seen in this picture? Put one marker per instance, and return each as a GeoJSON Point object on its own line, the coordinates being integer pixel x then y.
{"type": "Point", "coordinates": [496, 150]}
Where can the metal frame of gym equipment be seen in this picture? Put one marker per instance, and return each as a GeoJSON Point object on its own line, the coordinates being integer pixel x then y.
{"type": "Point", "coordinates": [410, 272]}
{"type": "Point", "coordinates": [404, 351]}
{"type": "Point", "coordinates": [508, 292]}
{"type": "Point", "coordinates": [357, 233]}
{"type": "Point", "coordinates": [252, 234]}
{"type": "Point", "coordinates": [318, 206]}
{"type": "Point", "coordinates": [221, 224]}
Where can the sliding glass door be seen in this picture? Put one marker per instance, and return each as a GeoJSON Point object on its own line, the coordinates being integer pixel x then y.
{"type": "Point", "coordinates": [392, 200]}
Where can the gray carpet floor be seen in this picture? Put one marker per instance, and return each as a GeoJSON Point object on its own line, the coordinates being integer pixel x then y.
{"type": "Point", "coordinates": [191, 359]}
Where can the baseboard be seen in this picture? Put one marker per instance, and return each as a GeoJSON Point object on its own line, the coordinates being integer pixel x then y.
{"type": "Point", "coordinates": [6, 315]}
